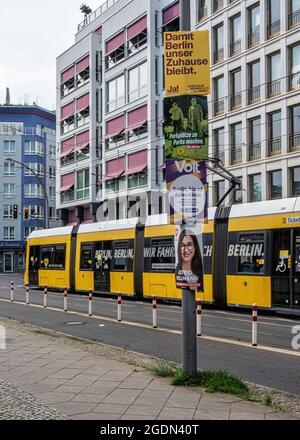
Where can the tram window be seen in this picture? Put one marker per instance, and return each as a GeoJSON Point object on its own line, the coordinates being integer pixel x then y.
{"type": "Point", "coordinates": [46, 257]}
{"type": "Point", "coordinates": [59, 257]}
{"type": "Point", "coordinates": [53, 257]}
{"type": "Point", "coordinates": [86, 259]}
{"type": "Point", "coordinates": [162, 255]}
{"type": "Point", "coordinates": [121, 255]}
{"type": "Point", "coordinates": [250, 252]}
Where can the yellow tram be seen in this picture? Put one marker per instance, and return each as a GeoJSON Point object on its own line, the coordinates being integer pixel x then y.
{"type": "Point", "coordinates": [251, 254]}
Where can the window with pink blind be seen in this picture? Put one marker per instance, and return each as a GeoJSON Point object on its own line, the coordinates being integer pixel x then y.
{"type": "Point", "coordinates": [115, 42]}
{"type": "Point", "coordinates": [137, 118]}
{"type": "Point", "coordinates": [67, 147]}
{"type": "Point", "coordinates": [68, 74]}
{"type": "Point", "coordinates": [171, 13]}
{"type": "Point", "coordinates": [68, 110]}
{"type": "Point", "coordinates": [114, 168]}
{"type": "Point", "coordinates": [83, 64]}
{"type": "Point", "coordinates": [83, 102]}
{"type": "Point", "coordinates": [67, 182]}
{"type": "Point", "coordinates": [137, 162]}
{"type": "Point", "coordinates": [136, 28]}
{"type": "Point", "coordinates": [115, 126]}
{"type": "Point", "coordinates": [82, 140]}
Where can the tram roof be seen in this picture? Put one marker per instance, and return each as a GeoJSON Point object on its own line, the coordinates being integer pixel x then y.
{"type": "Point", "coordinates": [268, 207]}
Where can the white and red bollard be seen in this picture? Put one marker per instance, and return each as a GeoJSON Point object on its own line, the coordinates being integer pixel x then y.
{"type": "Point", "coordinates": [254, 325]}
{"type": "Point", "coordinates": [45, 297]}
{"type": "Point", "coordinates": [119, 308]}
{"type": "Point", "coordinates": [65, 299]}
{"type": "Point", "coordinates": [27, 294]}
{"type": "Point", "coordinates": [90, 302]}
{"type": "Point", "coordinates": [154, 311]}
{"type": "Point", "coordinates": [199, 317]}
{"type": "Point", "coordinates": [12, 291]}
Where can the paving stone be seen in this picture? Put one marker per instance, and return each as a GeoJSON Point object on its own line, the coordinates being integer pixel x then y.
{"type": "Point", "coordinates": [107, 408]}
{"type": "Point", "coordinates": [246, 416]}
{"type": "Point", "coordinates": [143, 410]}
{"type": "Point", "coordinates": [220, 397]}
{"type": "Point", "coordinates": [74, 389]}
{"type": "Point", "coordinates": [176, 414]}
{"type": "Point", "coordinates": [123, 396]}
{"type": "Point", "coordinates": [90, 398]}
{"type": "Point", "coordinates": [211, 415]}
{"type": "Point", "coordinates": [56, 397]}
{"type": "Point", "coordinates": [178, 402]}
{"type": "Point", "coordinates": [248, 407]}
{"type": "Point", "coordinates": [67, 372]}
{"type": "Point", "coordinates": [213, 406]}
{"type": "Point", "coordinates": [74, 408]}
{"type": "Point", "coordinates": [96, 416]}
{"type": "Point", "coordinates": [138, 384]}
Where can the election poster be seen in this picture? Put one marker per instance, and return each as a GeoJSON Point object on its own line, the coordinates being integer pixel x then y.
{"type": "Point", "coordinates": [187, 191]}
{"type": "Point", "coordinates": [187, 63]}
{"type": "Point", "coordinates": [186, 127]}
{"type": "Point", "coordinates": [189, 259]}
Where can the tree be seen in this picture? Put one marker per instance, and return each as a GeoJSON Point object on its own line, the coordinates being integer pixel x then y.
{"type": "Point", "coordinates": [85, 9]}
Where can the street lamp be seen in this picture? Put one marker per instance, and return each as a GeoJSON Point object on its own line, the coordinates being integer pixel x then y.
{"type": "Point", "coordinates": [41, 182]}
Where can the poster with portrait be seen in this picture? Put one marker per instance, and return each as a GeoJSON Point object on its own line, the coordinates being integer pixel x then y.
{"type": "Point", "coordinates": [187, 191]}
{"type": "Point", "coordinates": [186, 127]}
{"type": "Point", "coordinates": [189, 257]}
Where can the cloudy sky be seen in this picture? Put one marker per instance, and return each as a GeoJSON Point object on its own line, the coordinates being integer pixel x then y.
{"type": "Point", "coordinates": [32, 34]}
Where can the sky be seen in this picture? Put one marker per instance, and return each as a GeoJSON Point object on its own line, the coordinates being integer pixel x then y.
{"type": "Point", "coordinates": [32, 34]}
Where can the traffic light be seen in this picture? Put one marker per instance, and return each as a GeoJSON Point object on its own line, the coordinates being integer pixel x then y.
{"type": "Point", "coordinates": [15, 211]}
{"type": "Point", "coordinates": [26, 213]}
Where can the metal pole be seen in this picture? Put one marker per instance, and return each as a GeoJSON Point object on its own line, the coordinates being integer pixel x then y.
{"type": "Point", "coordinates": [65, 299]}
{"type": "Point", "coordinates": [27, 294]}
{"type": "Point", "coordinates": [119, 308]}
{"type": "Point", "coordinates": [154, 311]}
{"type": "Point", "coordinates": [254, 325]}
{"type": "Point", "coordinates": [189, 330]}
{"type": "Point", "coordinates": [12, 290]}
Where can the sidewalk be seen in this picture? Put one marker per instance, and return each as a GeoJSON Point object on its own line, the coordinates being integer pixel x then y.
{"type": "Point", "coordinates": [48, 377]}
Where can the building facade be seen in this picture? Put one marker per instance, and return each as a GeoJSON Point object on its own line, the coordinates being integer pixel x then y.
{"type": "Point", "coordinates": [255, 102]}
{"type": "Point", "coordinates": [110, 93]}
{"type": "Point", "coordinates": [28, 168]}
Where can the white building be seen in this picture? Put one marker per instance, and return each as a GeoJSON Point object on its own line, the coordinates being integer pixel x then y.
{"type": "Point", "coordinates": [109, 100]}
{"type": "Point", "coordinates": [255, 102]}
{"type": "Point", "coordinates": [110, 92]}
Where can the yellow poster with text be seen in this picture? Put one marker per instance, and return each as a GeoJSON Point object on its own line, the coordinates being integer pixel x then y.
{"type": "Point", "coordinates": [187, 63]}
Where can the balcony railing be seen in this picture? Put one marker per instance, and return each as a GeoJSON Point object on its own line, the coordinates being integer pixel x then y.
{"type": "Point", "coordinates": [219, 106]}
{"type": "Point", "coordinates": [235, 47]}
{"type": "Point", "coordinates": [254, 95]}
{"type": "Point", "coordinates": [295, 142]}
{"type": "Point", "coordinates": [218, 55]}
{"type": "Point", "coordinates": [236, 156]}
{"type": "Point", "coordinates": [294, 19]}
{"type": "Point", "coordinates": [255, 151]}
{"type": "Point", "coordinates": [294, 81]}
{"type": "Point", "coordinates": [218, 4]}
{"type": "Point", "coordinates": [236, 101]}
{"type": "Point", "coordinates": [274, 147]}
{"type": "Point", "coordinates": [274, 88]}
{"type": "Point", "coordinates": [91, 17]}
{"type": "Point", "coordinates": [273, 29]}
{"type": "Point", "coordinates": [202, 13]}
{"type": "Point", "coordinates": [254, 38]}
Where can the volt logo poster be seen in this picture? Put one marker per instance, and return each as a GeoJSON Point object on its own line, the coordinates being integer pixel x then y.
{"type": "Point", "coordinates": [187, 63]}
{"type": "Point", "coordinates": [187, 192]}
{"type": "Point", "coordinates": [186, 127]}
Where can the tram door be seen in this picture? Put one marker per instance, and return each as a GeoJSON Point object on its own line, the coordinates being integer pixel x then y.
{"type": "Point", "coordinates": [103, 260]}
{"type": "Point", "coordinates": [34, 256]}
{"type": "Point", "coordinates": [286, 268]}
